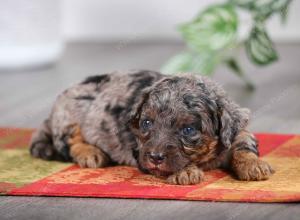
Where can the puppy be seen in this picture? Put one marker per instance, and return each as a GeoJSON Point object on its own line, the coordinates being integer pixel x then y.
{"type": "Point", "coordinates": [173, 127]}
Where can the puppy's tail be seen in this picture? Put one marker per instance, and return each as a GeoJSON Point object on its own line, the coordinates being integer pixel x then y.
{"type": "Point", "coordinates": [41, 144]}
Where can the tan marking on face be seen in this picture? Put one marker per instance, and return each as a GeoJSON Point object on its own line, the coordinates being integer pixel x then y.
{"type": "Point", "coordinates": [204, 153]}
{"type": "Point", "coordinates": [185, 119]}
{"type": "Point", "coordinates": [149, 113]}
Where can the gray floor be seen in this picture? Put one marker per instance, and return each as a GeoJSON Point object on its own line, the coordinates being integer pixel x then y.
{"type": "Point", "coordinates": [26, 97]}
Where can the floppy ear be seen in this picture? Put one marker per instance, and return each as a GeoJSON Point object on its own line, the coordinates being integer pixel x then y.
{"type": "Point", "coordinates": [137, 107]}
{"type": "Point", "coordinates": [232, 120]}
{"type": "Point", "coordinates": [135, 113]}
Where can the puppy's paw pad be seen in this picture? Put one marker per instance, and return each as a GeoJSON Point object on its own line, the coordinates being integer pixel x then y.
{"type": "Point", "coordinates": [256, 170]}
{"type": "Point", "coordinates": [188, 176]}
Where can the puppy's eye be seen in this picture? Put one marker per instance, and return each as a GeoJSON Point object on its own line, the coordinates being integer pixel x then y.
{"type": "Point", "coordinates": [188, 131]}
{"type": "Point", "coordinates": [146, 124]}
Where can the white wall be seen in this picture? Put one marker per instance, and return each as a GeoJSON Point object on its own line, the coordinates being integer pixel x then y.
{"type": "Point", "coordinates": [141, 19]}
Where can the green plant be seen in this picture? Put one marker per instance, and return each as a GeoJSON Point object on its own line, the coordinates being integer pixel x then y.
{"type": "Point", "coordinates": [213, 35]}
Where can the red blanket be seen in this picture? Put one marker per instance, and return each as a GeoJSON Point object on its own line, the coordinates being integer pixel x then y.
{"type": "Point", "coordinates": [21, 174]}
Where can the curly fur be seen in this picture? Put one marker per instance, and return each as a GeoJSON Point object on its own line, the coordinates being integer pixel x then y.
{"type": "Point", "coordinates": [110, 108]}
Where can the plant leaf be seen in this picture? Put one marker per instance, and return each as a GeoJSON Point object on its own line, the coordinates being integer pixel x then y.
{"type": "Point", "coordinates": [178, 63]}
{"type": "Point", "coordinates": [247, 4]}
{"type": "Point", "coordinates": [213, 29]}
{"type": "Point", "coordinates": [263, 9]}
{"type": "Point", "coordinates": [259, 46]}
{"type": "Point", "coordinates": [204, 63]}
{"type": "Point", "coordinates": [284, 12]}
{"type": "Point", "coordinates": [233, 64]}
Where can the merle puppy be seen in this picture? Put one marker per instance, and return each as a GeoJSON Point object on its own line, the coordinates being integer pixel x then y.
{"type": "Point", "coordinates": [169, 126]}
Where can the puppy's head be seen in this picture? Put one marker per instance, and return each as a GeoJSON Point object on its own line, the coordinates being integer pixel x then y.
{"type": "Point", "coordinates": [181, 120]}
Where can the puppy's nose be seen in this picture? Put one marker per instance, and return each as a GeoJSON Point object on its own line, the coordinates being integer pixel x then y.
{"type": "Point", "coordinates": [156, 158]}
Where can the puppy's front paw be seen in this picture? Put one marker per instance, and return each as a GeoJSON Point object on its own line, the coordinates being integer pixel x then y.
{"type": "Point", "coordinates": [88, 156]}
{"type": "Point", "coordinates": [247, 166]}
{"type": "Point", "coordinates": [188, 176]}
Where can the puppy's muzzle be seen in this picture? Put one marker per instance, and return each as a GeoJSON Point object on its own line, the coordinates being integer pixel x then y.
{"type": "Point", "coordinates": [156, 158]}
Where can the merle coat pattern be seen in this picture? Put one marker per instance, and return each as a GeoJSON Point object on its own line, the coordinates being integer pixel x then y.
{"type": "Point", "coordinates": [173, 127]}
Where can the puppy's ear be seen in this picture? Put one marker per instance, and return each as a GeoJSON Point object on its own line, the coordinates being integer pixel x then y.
{"type": "Point", "coordinates": [135, 112]}
{"type": "Point", "coordinates": [232, 119]}
{"type": "Point", "coordinates": [136, 109]}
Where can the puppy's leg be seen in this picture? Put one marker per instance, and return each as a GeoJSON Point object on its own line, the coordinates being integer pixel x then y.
{"type": "Point", "coordinates": [245, 162]}
{"type": "Point", "coordinates": [189, 175]}
{"type": "Point", "coordinates": [84, 154]}
{"type": "Point", "coordinates": [41, 144]}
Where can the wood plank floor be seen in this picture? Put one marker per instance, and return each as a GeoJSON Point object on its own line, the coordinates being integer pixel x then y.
{"type": "Point", "coordinates": [26, 97]}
